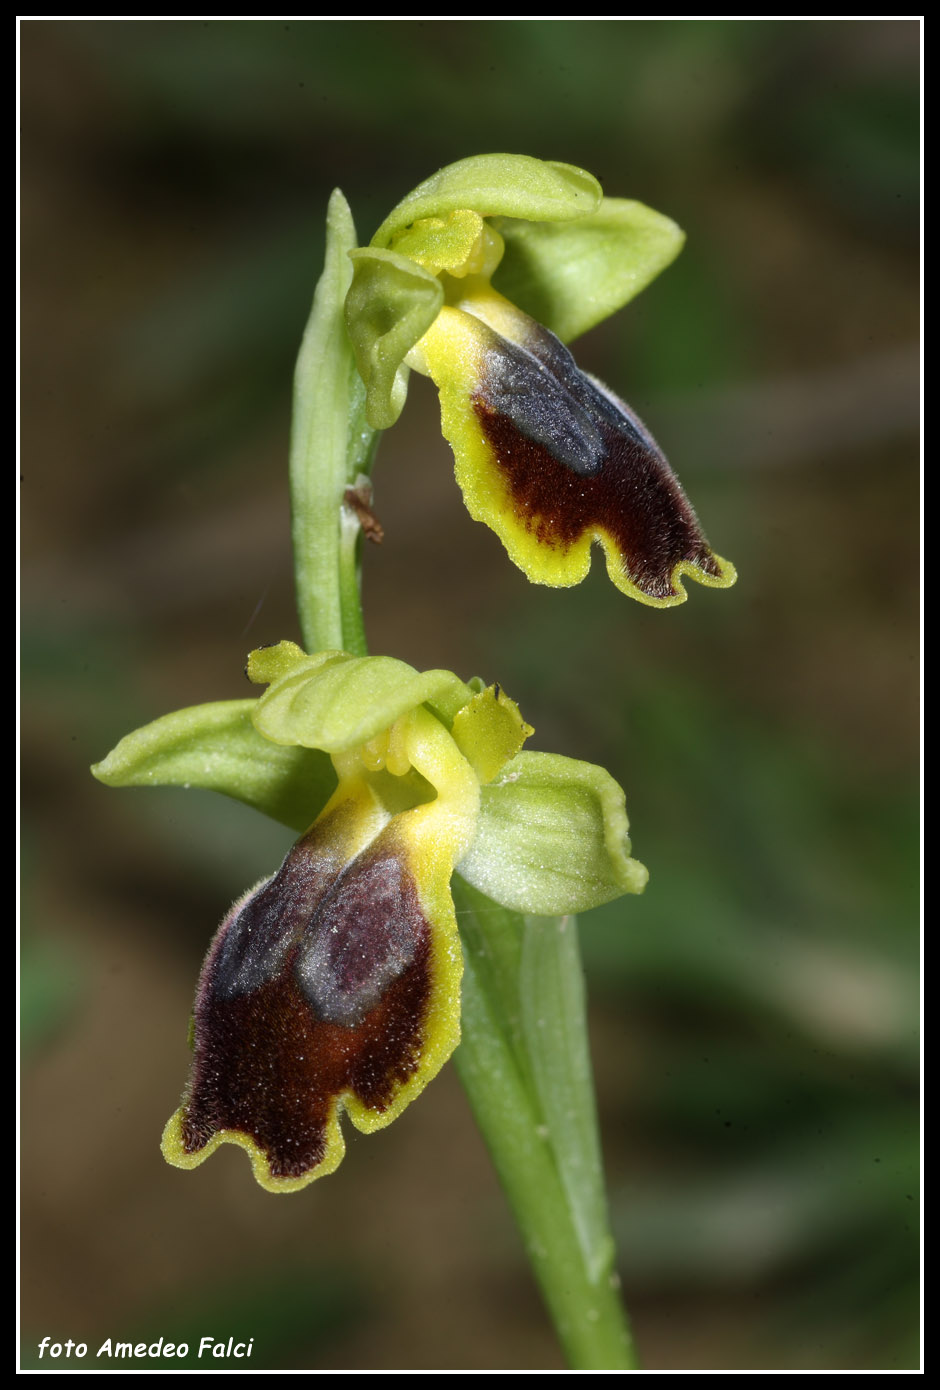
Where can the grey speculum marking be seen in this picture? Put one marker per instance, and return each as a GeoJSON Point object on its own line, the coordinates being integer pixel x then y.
{"type": "Point", "coordinates": [255, 944]}
{"type": "Point", "coordinates": [362, 939]}
{"type": "Point", "coordinates": [541, 389]}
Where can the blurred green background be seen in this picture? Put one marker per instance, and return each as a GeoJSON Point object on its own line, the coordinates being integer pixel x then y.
{"type": "Point", "coordinates": [754, 1016]}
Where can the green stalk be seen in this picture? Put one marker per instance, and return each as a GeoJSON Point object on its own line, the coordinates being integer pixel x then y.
{"type": "Point", "coordinates": [523, 1062]}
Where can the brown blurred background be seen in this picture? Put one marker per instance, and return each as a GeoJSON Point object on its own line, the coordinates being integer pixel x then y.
{"type": "Point", "coordinates": [754, 1015]}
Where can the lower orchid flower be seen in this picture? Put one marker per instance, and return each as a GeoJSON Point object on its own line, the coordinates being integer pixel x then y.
{"type": "Point", "coordinates": [335, 984]}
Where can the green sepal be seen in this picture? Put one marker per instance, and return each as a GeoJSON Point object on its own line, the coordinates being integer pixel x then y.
{"type": "Point", "coordinates": [217, 746]}
{"type": "Point", "coordinates": [497, 185]}
{"type": "Point", "coordinates": [552, 838]}
{"type": "Point", "coordinates": [572, 275]}
{"type": "Point", "coordinates": [336, 702]}
{"type": "Point", "coordinates": [391, 303]}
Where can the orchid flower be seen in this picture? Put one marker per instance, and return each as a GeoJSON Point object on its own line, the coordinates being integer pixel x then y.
{"type": "Point", "coordinates": [545, 455]}
{"type": "Point", "coordinates": [335, 984]}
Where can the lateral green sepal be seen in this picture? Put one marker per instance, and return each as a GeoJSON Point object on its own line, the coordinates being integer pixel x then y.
{"type": "Point", "coordinates": [552, 838]}
{"type": "Point", "coordinates": [572, 275]}
{"type": "Point", "coordinates": [217, 746]}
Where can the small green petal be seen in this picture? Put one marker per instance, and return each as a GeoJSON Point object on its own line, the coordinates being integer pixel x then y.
{"type": "Point", "coordinates": [344, 701]}
{"type": "Point", "coordinates": [266, 665]}
{"type": "Point", "coordinates": [572, 275]}
{"type": "Point", "coordinates": [218, 747]}
{"type": "Point", "coordinates": [498, 185]}
{"type": "Point", "coordinates": [489, 731]}
{"type": "Point", "coordinates": [552, 838]}
{"type": "Point", "coordinates": [391, 303]}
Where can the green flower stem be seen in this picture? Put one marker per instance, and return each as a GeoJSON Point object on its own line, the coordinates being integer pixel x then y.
{"type": "Point", "coordinates": [331, 447]}
{"type": "Point", "coordinates": [523, 1061]}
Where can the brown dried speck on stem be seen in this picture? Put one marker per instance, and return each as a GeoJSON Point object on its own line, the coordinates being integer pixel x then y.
{"type": "Point", "coordinates": [359, 500]}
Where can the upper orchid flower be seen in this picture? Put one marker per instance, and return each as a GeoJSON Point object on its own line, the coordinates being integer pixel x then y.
{"type": "Point", "coordinates": [335, 984]}
{"type": "Point", "coordinates": [545, 455]}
